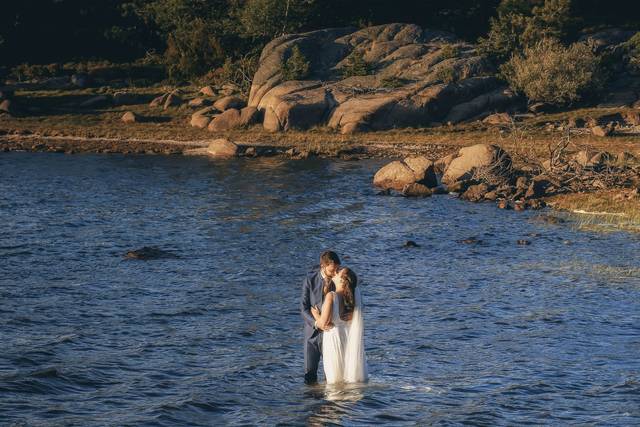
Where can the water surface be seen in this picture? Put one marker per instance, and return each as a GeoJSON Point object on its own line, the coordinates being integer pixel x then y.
{"type": "Point", "coordinates": [484, 334]}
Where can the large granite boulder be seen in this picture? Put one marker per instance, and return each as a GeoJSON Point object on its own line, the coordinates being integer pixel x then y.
{"type": "Point", "coordinates": [397, 175]}
{"type": "Point", "coordinates": [414, 77]}
{"type": "Point", "coordinates": [488, 160]}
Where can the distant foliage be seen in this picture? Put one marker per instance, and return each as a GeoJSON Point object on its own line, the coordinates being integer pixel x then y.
{"type": "Point", "coordinates": [272, 18]}
{"type": "Point", "coordinates": [195, 32]}
{"type": "Point", "coordinates": [26, 72]}
{"type": "Point", "coordinates": [296, 67]}
{"type": "Point", "coordinates": [195, 37]}
{"type": "Point", "coordinates": [553, 73]}
{"type": "Point", "coordinates": [356, 65]}
{"type": "Point", "coordinates": [192, 51]}
{"type": "Point", "coordinates": [521, 24]}
{"type": "Point", "coordinates": [633, 51]}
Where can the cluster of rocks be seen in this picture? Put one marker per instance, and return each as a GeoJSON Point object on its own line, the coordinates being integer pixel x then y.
{"type": "Point", "coordinates": [415, 77]}
{"type": "Point", "coordinates": [213, 112]}
{"type": "Point", "coordinates": [226, 113]}
{"type": "Point", "coordinates": [485, 173]}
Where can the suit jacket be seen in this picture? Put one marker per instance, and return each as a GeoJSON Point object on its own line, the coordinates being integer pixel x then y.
{"type": "Point", "coordinates": [311, 295]}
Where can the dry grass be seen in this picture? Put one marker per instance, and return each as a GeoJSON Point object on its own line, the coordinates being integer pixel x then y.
{"type": "Point", "coordinates": [57, 116]}
{"type": "Point", "coordinates": [601, 211]}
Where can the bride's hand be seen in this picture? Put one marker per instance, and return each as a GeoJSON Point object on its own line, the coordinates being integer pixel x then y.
{"type": "Point", "coordinates": [315, 312]}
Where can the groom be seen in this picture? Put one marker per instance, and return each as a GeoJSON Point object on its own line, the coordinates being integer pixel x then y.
{"type": "Point", "coordinates": [314, 288]}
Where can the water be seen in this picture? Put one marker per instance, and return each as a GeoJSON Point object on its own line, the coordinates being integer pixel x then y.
{"type": "Point", "coordinates": [485, 334]}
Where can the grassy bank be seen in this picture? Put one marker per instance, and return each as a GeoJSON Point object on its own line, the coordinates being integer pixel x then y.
{"type": "Point", "coordinates": [610, 210]}
{"type": "Point", "coordinates": [54, 113]}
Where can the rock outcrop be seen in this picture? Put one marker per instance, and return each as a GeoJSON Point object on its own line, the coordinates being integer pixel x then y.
{"type": "Point", "coordinates": [414, 77]}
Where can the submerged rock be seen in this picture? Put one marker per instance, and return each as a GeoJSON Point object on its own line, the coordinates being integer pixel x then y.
{"type": "Point", "coordinates": [416, 190]}
{"type": "Point", "coordinates": [476, 193]}
{"type": "Point", "coordinates": [148, 253]}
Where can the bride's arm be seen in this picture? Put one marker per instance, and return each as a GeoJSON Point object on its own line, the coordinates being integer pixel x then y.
{"type": "Point", "coordinates": [325, 317]}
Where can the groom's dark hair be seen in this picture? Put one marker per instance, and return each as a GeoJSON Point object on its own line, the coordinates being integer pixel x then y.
{"type": "Point", "coordinates": [329, 257]}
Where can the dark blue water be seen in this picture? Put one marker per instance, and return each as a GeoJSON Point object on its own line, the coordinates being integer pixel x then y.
{"type": "Point", "coordinates": [483, 334]}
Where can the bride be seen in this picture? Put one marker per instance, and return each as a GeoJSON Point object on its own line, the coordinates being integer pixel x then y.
{"type": "Point", "coordinates": [343, 344]}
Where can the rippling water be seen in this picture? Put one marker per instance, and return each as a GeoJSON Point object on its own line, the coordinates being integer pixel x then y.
{"type": "Point", "coordinates": [492, 333]}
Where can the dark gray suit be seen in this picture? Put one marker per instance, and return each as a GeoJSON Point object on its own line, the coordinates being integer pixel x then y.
{"type": "Point", "coordinates": [311, 296]}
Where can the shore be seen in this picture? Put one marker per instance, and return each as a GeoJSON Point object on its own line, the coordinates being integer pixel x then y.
{"type": "Point", "coordinates": [54, 125]}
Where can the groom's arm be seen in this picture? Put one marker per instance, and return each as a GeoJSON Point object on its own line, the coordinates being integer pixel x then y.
{"type": "Point", "coordinates": [305, 303]}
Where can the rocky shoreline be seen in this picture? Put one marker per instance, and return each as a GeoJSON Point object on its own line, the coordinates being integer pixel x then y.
{"type": "Point", "coordinates": [487, 173]}
{"type": "Point", "coordinates": [477, 173]}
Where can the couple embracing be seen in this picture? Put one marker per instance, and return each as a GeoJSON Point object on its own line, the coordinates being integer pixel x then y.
{"type": "Point", "coordinates": [331, 307]}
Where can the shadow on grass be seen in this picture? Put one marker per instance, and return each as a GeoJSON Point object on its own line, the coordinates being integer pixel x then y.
{"type": "Point", "coordinates": [64, 104]}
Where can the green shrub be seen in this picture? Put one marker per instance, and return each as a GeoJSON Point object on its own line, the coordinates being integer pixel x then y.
{"type": "Point", "coordinates": [449, 50]}
{"type": "Point", "coordinates": [392, 82]}
{"type": "Point", "coordinates": [447, 74]}
{"type": "Point", "coordinates": [553, 73]}
{"type": "Point", "coordinates": [521, 24]}
{"type": "Point", "coordinates": [356, 65]}
{"type": "Point", "coordinates": [296, 67]}
{"type": "Point", "coordinates": [192, 50]}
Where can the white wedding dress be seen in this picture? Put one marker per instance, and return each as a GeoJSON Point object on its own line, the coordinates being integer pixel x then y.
{"type": "Point", "coordinates": [343, 354]}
